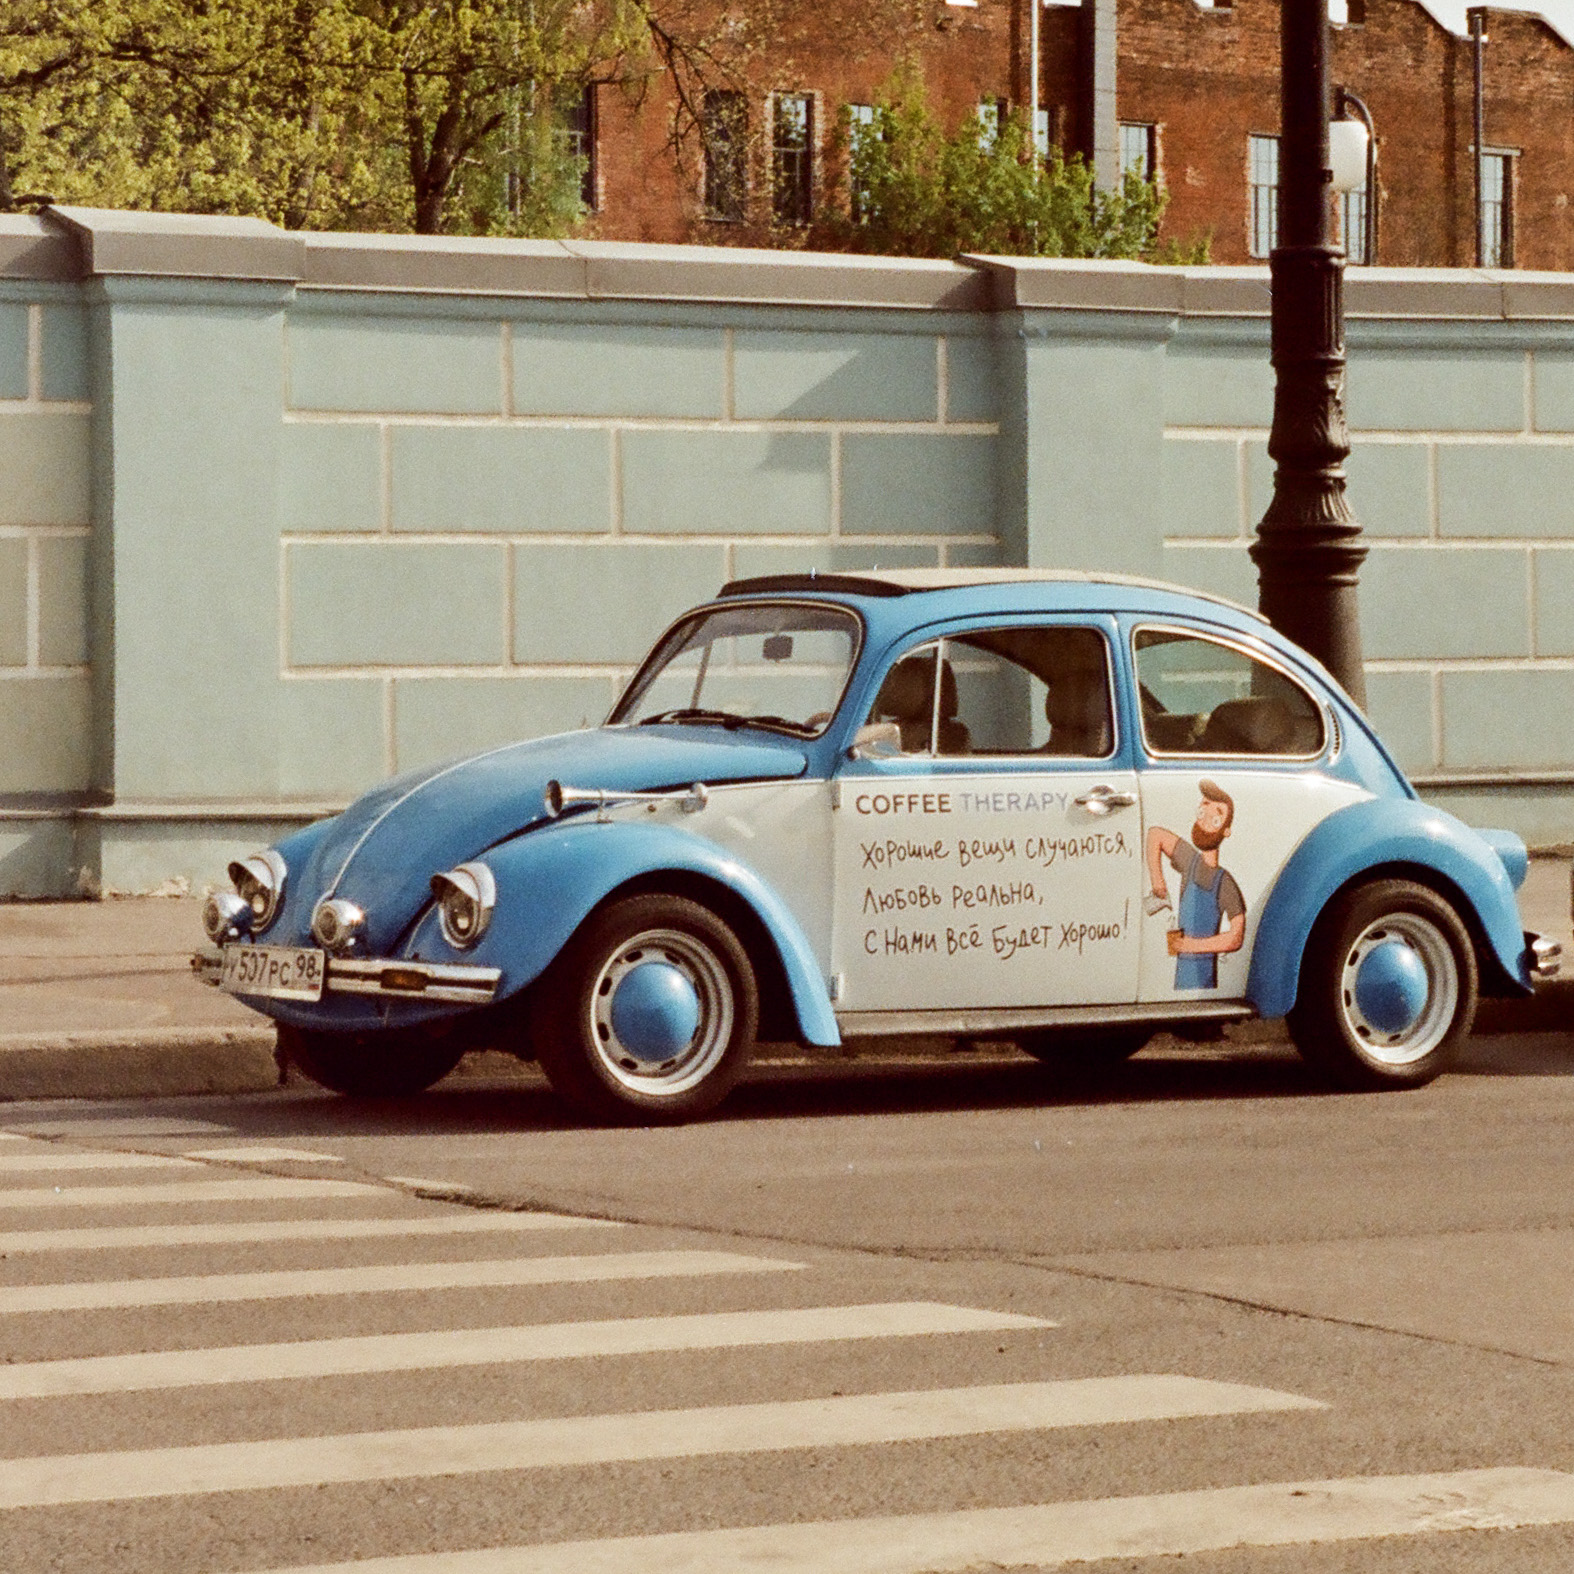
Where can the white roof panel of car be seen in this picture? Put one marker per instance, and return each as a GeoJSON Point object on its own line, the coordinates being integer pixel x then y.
{"type": "Point", "coordinates": [961, 578]}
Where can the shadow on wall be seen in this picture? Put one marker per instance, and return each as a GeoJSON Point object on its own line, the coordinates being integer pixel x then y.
{"type": "Point", "coordinates": [32, 856]}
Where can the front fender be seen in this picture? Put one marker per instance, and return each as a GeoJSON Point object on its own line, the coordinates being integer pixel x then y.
{"type": "Point", "coordinates": [1380, 833]}
{"type": "Point", "coordinates": [550, 879]}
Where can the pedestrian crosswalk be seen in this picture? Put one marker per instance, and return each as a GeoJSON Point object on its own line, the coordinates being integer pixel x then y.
{"type": "Point", "coordinates": [415, 1294]}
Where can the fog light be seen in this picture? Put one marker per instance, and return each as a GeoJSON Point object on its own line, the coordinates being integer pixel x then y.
{"type": "Point", "coordinates": [465, 899]}
{"type": "Point", "coordinates": [336, 923]}
{"type": "Point", "coordinates": [226, 915]}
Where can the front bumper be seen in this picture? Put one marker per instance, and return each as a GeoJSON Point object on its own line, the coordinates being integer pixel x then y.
{"type": "Point", "coordinates": [1543, 956]}
{"type": "Point", "coordinates": [386, 978]}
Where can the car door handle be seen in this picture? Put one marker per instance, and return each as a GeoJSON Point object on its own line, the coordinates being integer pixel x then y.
{"type": "Point", "coordinates": [1100, 800]}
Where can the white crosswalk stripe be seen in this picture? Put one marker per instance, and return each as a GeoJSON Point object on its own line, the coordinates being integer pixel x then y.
{"type": "Point", "coordinates": [208, 1289]}
{"type": "Point", "coordinates": [140, 1237]}
{"type": "Point", "coordinates": [598, 1439]}
{"type": "Point", "coordinates": [482, 1346]}
{"type": "Point", "coordinates": [885, 1409]}
{"type": "Point", "coordinates": [243, 1188]}
{"type": "Point", "coordinates": [57, 1159]}
{"type": "Point", "coordinates": [1047, 1535]}
{"type": "Point", "coordinates": [262, 1153]}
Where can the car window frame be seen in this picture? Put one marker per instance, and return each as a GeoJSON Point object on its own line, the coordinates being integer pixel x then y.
{"type": "Point", "coordinates": [732, 604]}
{"type": "Point", "coordinates": [1029, 758]}
{"type": "Point", "coordinates": [1252, 652]}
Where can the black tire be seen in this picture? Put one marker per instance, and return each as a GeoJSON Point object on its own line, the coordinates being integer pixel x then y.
{"type": "Point", "coordinates": [390, 1064]}
{"type": "Point", "coordinates": [578, 1043]}
{"type": "Point", "coordinates": [1086, 1051]}
{"type": "Point", "coordinates": [1363, 1048]}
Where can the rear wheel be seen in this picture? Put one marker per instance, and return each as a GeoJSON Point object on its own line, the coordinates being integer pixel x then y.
{"type": "Point", "coordinates": [648, 1013]}
{"type": "Point", "coordinates": [1388, 987]}
{"type": "Point", "coordinates": [372, 1065]}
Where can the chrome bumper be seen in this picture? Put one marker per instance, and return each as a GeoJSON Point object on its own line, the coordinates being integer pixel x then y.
{"type": "Point", "coordinates": [387, 978]}
{"type": "Point", "coordinates": [1544, 955]}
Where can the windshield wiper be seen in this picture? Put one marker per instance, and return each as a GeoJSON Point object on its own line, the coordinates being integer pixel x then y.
{"type": "Point", "coordinates": [779, 724]}
{"type": "Point", "coordinates": [728, 719]}
{"type": "Point", "coordinates": [722, 718]}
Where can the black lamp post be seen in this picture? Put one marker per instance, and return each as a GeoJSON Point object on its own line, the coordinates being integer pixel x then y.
{"type": "Point", "coordinates": [1308, 549]}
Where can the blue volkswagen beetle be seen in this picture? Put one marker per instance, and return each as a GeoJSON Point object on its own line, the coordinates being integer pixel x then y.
{"type": "Point", "coordinates": [1061, 810]}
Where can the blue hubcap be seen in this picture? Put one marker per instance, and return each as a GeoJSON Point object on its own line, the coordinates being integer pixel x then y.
{"type": "Point", "coordinates": [1391, 987]}
{"type": "Point", "coordinates": [655, 1012]}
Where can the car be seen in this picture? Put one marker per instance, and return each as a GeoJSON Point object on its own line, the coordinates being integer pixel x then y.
{"type": "Point", "coordinates": [1063, 810]}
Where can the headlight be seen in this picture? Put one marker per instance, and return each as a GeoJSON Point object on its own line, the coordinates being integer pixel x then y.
{"type": "Point", "coordinates": [259, 882]}
{"type": "Point", "coordinates": [336, 923]}
{"type": "Point", "coordinates": [465, 899]}
{"type": "Point", "coordinates": [225, 914]}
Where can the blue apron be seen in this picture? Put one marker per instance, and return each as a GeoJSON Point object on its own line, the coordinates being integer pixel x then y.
{"type": "Point", "coordinates": [1199, 920]}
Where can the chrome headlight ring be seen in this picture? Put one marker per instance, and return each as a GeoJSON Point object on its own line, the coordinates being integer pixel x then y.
{"type": "Point", "coordinates": [226, 916]}
{"type": "Point", "coordinates": [336, 923]}
{"type": "Point", "coordinates": [466, 897]}
{"type": "Point", "coordinates": [259, 882]}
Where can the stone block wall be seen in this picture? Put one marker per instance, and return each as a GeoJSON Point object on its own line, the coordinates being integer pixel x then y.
{"type": "Point", "coordinates": [284, 514]}
{"type": "Point", "coordinates": [45, 524]}
{"type": "Point", "coordinates": [487, 516]}
{"type": "Point", "coordinates": [1462, 475]}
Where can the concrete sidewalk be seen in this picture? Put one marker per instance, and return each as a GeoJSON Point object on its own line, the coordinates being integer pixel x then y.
{"type": "Point", "coordinates": [97, 999]}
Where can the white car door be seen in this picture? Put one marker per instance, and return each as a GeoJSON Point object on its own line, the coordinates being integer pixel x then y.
{"type": "Point", "coordinates": [987, 838]}
{"type": "Point", "coordinates": [1236, 776]}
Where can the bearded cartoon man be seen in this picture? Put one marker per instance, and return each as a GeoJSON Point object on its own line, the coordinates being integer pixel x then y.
{"type": "Point", "coordinates": [1210, 912]}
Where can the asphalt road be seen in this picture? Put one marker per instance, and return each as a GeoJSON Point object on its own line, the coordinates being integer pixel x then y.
{"type": "Point", "coordinates": [906, 1318]}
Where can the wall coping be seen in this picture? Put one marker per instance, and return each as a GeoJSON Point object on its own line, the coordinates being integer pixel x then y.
{"type": "Point", "coordinates": [74, 244]}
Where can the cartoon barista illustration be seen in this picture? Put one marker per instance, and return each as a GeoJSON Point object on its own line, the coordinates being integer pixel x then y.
{"type": "Point", "coordinates": [1209, 896]}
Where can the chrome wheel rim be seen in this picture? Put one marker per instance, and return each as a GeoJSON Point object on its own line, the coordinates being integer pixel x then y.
{"type": "Point", "coordinates": [705, 974]}
{"type": "Point", "coordinates": [1419, 1037]}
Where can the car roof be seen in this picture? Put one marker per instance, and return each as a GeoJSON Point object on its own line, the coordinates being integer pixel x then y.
{"type": "Point", "coordinates": [884, 583]}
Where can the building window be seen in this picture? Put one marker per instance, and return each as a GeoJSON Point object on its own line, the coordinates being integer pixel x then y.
{"type": "Point", "coordinates": [724, 129]}
{"type": "Point", "coordinates": [992, 114]}
{"type": "Point", "coordinates": [1139, 150]}
{"type": "Point", "coordinates": [1352, 219]}
{"type": "Point", "coordinates": [792, 158]}
{"type": "Point", "coordinates": [1263, 187]}
{"type": "Point", "coordinates": [1497, 209]}
{"type": "Point", "coordinates": [861, 131]}
{"type": "Point", "coordinates": [579, 132]}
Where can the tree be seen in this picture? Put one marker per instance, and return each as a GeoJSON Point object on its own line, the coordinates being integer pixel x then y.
{"type": "Point", "coordinates": [464, 74]}
{"type": "Point", "coordinates": [916, 191]}
{"type": "Point", "coordinates": [380, 114]}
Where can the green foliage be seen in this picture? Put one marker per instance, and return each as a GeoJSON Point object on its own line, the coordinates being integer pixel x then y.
{"type": "Point", "coordinates": [918, 192]}
{"type": "Point", "coordinates": [376, 114]}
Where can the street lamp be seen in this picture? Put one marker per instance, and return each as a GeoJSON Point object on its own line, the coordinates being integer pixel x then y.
{"type": "Point", "coordinates": [1308, 549]}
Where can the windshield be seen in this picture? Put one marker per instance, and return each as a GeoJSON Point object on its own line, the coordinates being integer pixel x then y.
{"type": "Point", "coordinates": [774, 665]}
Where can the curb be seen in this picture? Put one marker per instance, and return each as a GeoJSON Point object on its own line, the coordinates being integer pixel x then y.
{"type": "Point", "coordinates": [140, 1063]}
{"type": "Point", "coordinates": [175, 1062]}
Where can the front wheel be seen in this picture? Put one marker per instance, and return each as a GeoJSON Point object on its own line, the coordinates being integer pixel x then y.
{"type": "Point", "coordinates": [648, 1013]}
{"type": "Point", "coordinates": [1388, 987]}
{"type": "Point", "coordinates": [389, 1064]}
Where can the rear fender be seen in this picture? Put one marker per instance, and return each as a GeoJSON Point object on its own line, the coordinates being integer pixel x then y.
{"type": "Point", "coordinates": [551, 879]}
{"type": "Point", "coordinates": [1384, 837]}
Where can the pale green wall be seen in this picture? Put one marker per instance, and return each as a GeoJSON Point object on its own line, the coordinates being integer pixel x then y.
{"type": "Point", "coordinates": [282, 516]}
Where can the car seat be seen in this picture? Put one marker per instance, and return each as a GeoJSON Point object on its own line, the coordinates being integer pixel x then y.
{"type": "Point", "coordinates": [1259, 725]}
{"type": "Point", "coordinates": [907, 697]}
{"type": "Point", "coordinates": [1076, 706]}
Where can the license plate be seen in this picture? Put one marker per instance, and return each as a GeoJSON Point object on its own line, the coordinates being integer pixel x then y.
{"type": "Point", "coordinates": [279, 972]}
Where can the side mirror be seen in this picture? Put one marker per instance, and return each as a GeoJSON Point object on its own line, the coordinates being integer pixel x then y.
{"type": "Point", "coordinates": [876, 740]}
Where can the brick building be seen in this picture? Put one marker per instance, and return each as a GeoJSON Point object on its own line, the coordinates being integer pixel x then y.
{"type": "Point", "coordinates": [1195, 102]}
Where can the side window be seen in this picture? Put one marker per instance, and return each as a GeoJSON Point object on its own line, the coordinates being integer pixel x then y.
{"type": "Point", "coordinates": [1201, 696]}
{"type": "Point", "coordinates": [1006, 691]}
